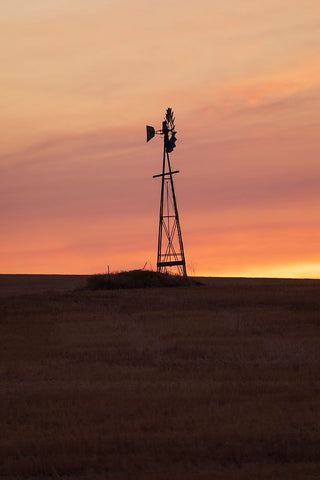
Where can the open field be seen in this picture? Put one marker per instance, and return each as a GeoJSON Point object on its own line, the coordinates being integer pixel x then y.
{"type": "Point", "coordinates": [218, 382]}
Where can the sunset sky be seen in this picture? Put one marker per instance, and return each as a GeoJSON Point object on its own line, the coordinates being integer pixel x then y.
{"type": "Point", "coordinates": [79, 82]}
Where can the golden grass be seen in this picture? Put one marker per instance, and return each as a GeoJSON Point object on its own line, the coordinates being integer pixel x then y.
{"type": "Point", "coordinates": [195, 383]}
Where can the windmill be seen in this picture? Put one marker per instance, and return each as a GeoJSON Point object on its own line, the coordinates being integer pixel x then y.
{"type": "Point", "coordinates": [170, 255]}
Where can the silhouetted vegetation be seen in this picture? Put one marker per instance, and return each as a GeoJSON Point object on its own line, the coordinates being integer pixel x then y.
{"type": "Point", "coordinates": [137, 279]}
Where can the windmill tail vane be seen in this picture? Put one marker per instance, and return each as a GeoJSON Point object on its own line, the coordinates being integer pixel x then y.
{"type": "Point", "coordinates": [170, 255]}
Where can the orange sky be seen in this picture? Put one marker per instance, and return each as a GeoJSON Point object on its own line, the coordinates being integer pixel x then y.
{"type": "Point", "coordinates": [79, 81]}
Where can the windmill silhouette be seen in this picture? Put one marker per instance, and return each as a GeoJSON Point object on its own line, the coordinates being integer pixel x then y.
{"type": "Point", "coordinates": [170, 257]}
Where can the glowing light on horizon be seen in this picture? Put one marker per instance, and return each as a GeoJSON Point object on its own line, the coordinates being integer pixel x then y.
{"type": "Point", "coordinates": [302, 271]}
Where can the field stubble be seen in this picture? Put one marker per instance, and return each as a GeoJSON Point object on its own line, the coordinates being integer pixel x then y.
{"type": "Point", "coordinates": [219, 381]}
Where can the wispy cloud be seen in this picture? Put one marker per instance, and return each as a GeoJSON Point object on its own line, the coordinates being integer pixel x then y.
{"type": "Point", "coordinates": [243, 79]}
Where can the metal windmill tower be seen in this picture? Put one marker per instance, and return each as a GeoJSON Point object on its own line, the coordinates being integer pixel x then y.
{"type": "Point", "coordinates": [170, 245]}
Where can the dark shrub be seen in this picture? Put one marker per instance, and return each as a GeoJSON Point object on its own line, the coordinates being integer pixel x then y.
{"type": "Point", "coordinates": [136, 279]}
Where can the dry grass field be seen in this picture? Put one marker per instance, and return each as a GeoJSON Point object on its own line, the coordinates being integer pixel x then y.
{"type": "Point", "coordinates": [215, 382]}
